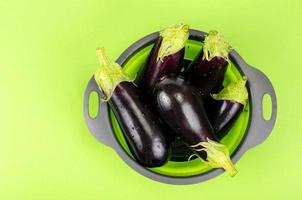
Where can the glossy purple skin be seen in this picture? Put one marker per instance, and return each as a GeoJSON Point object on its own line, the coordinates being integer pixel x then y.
{"type": "Point", "coordinates": [181, 107]}
{"type": "Point", "coordinates": [207, 76]}
{"type": "Point", "coordinates": [222, 114]}
{"type": "Point", "coordinates": [155, 69]}
{"type": "Point", "coordinates": [143, 132]}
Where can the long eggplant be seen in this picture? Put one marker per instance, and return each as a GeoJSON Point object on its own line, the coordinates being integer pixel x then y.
{"type": "Point", "coordinates": [142, 130]}
{"type": "Point", "coordinates": [224, 107]}
{"type": "Point", "coordinates": [166, 56]}
{"type": "Point", "coordinates": [206, 72]}
{"type": "Point", "coordinates": [181, 106]}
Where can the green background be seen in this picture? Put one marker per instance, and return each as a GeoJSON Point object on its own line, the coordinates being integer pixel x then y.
{"type": "Point", "coordinates": [47, 55]}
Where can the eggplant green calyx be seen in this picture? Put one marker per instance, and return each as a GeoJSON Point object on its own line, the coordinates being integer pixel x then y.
{"type": "Point", "coordinates": [108, 75]}
{"type": "Point", "coordinates": [235, 91]}
{"type": "Point", "coordinates": [217, 155]}
{"type": "Point", "coordinates": [173, 39]}
{"type": "Point", "coordinates": [215, 45]}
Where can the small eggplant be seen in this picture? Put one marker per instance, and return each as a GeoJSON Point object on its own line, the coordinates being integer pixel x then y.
{"type": "Point", "coordinates": [180, 105]}
{"type": "Point", "coordinates": [141, 128]}
{"type": "Point", "coordinates": [166, 56]}
{"type": "Point", "coordinates": [206, 72]}
{"type": "Point", "coordinates": [224, 108]}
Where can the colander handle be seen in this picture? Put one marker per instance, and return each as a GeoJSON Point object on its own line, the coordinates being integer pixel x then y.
{"type": "Point", "coordinates": [100, 125]}
{"type": "Point", "coordinates": [259, 85]}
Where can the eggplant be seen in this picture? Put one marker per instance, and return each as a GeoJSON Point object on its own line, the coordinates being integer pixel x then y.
{"type": "Point", "coordinates": [166, 56]}
{"type": "Point", "coordinates": [181, 106]}
{"type": "Point", "coordinates": [206, 72]}
{"type": "Point", "coordinates": [142, 130]}
{"type": "Point", "coordinates": [224, 108]}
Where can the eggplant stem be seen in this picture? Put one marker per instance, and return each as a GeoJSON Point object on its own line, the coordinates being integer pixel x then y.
{"type": "Point", "coordinates": [173, 40]}
{"type": "Point", "coordinates": [217, 155]}
{"type": "Point", "coordinates": [215, 45]}
{"type": "Point", "coordinates": [191, 156]}
{"type": "Point", "coordinates": [108, 75]}
{"type": "Point", "coordinates": [235, 91]}
{"type": "Point", "coordinates": [102, 56]}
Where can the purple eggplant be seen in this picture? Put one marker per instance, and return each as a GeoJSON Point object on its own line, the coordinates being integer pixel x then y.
{"type": "Point", "coordinates": [224, 108]}
{"type": "Point", "coordinates": [206, 72]}
{"type": "Point", "coordinates": [142, 130]}
{"type": "Point", "coordinates": [166, 56]}
{"type": "Point", "coordinates": [181, 106]}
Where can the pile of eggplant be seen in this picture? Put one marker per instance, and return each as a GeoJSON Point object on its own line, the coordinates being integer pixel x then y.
{"type": "Point", "coordinates": [174, 105]}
